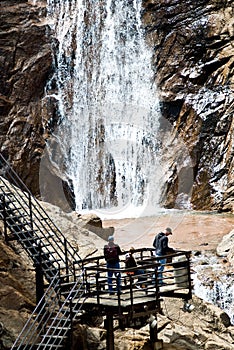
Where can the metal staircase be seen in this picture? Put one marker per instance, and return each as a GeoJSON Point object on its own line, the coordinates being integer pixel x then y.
{"type": "Point", "coordinates": [27, 222]}
{"type": "Point", "coordinates": [50, 325]}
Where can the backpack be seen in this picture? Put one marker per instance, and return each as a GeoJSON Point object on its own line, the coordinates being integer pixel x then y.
{"type": "Point", "coordinates": [111, 253]}
{"type": "Point", "coordinates": [157, 243]}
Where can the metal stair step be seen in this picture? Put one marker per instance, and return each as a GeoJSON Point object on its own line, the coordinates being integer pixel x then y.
{"type": "Point", "coordinates": [62, 319]}
{"type": "Point", "coordinates": [14, 208]}
{"type": "Point", "coordinates": [20, 225]}
{"type": "Point", "coordinates": [54, 346]}
{"type": "Point", "coordinates": [9, 196]}
{"type": "Point", "coordinates": [17, 216]}
{"type": "Point", "coordinates": [29, 239]}
{"type": "Point", "coordinates": [7, 202]}
{"type": "Point", "coordinates": [59, 328]}
{"type": "Point", "coordinates": [53, 339]}
{"type": "Point", "coordinates": [45, 219]}
{"type": "Point", "coordinates": [66, 287]}
{"type": "Point", "coordinates": [25, 233]}
{"type": "Point", "coordinates": [50, 261]}
{"type": "Point", "coordinates": [6, 191]}
{"type": "Point", "coordinates": [45, 245]}
{"type": "Point", "coordinates": [12, 237]}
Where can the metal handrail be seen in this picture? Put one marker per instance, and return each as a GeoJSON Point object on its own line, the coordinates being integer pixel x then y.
{"type": "Point", "coordinates": [62, 321]}
{"type": "Point", "coordinates": [99, 260]}
{"type": "Point", "coordinates": [32, 326]}
{"type": "Point", "coordinates": [176, 275]}
{"type": "Point", "coordinates": [41, 219]}
{"type": "Point", "coordinates": [45, 321]}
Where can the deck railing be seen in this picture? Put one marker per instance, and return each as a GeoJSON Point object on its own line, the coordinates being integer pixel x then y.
{"type": "Point", "coordinates": [175, 281]}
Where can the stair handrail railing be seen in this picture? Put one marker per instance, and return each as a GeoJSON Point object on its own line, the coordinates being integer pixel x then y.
{"type": "Point", "coordinates": [20, 185]}
{"type": "Point", "coordinates": [35, 250]}
{"type": "Point", "coordinates": [63, 254]}
{"type": "Point", "coordinates": [78, 294]}
{"type": "Point", "coordinates": [38, 317]}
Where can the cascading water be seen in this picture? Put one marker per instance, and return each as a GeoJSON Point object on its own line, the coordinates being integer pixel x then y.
{"type": "Point", "coordinates": [214, 284]}
{"type": "Point", "coordinates": [108, 107]}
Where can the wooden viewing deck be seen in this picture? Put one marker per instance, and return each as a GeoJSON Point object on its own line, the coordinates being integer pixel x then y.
{"type": "Point", "coordinates": [141, 294]}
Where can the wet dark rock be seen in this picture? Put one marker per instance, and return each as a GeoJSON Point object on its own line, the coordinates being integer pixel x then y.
{"type": "Point", "coordinates": [25, 64]}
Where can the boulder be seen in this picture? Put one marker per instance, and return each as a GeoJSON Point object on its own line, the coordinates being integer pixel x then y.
{"type": "Point", "coordinates": [94, 224]}
{"type": "Point", "coordinates": [226, 247]}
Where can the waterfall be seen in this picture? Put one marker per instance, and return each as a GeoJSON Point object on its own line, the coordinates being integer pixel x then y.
{"type": "Point", "coordinates": [214, 284]}
{"type": "Point", "coordinates": [107, 106]}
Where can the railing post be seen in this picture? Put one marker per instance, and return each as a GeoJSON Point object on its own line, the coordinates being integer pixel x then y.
{"type": "Point", "coordinates": [39, 279]}
{"type": "Point", "coordinates": [157, 344]}
{"type": "Point", "coordinates": [189, 275]}
{"type": "Point", "coordinates": [4, 217]}
{"type": "Point", "coordinates": [85, 280]}
{"type": "Point", "coordinates": [110, 332]}
{"type": "Point", "coordinates": [131, 291]}
{"type": "Point", "coordinates": [30, 211]}
{"type": "Point", "coordinates": [98, 288]}
{"type": "Point", "coordinates": [74, 270]}
{"type": "Point", "coordinates": [66, 257]}
{"type": "Point", "coordinates": [71, 317]}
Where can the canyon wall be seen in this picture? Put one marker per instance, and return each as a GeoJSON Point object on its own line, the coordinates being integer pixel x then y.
{"type": "Point", "coordinates": [25, 64]}
{"type": "Point", "coordinates": [193, 61]}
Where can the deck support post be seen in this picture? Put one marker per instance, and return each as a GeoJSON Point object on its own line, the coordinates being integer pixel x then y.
{"type": "Point", "coordinates": [39, 279]}
{"type": "Point", "coordinates": [39, 285]}
{"type": "Point", "coordinates": [110, 332]}
{"type": "Point", "coordinates": [157, 343]}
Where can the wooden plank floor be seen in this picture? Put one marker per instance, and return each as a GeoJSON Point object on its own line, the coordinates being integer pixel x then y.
{"type": "Point", "coordinates": [139, 296]}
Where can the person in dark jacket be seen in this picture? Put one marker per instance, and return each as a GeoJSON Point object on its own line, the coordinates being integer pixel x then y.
{"type": "Point", "coordinates": [131, 262]}
{"type": "Point", "coordinates": [111, 254]}
{"type": "Point", "coordinates": [161, 250]}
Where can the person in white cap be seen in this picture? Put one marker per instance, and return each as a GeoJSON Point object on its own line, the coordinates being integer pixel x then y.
{"type": "Point", "coordinates": [161, 250]}
{"type": "Point", "coordinates": [111, 254]}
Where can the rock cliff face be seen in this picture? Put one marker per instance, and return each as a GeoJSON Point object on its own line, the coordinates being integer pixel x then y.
{"type": "Point", "coordinates": [25, 63]}
{"type": "Point", "coordinates": [193, 61]}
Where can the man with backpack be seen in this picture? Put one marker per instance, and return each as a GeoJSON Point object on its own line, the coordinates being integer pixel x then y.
{"type": "Point", "coordinates": [111, 254]}
{"type": "Point", "coordinates": [161, 250]}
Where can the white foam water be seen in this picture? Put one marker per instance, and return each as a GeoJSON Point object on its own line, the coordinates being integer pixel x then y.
{"type": "Point", "coordinates": [108, 105]}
